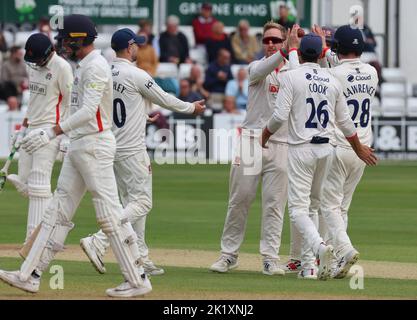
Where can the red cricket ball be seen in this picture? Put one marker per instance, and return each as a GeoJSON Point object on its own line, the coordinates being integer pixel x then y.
{"type": "Point", "coordinates": [300, 33]}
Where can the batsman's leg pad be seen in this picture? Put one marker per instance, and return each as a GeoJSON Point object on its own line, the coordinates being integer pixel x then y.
{"type": "Point", "coordinates": [39, 184]}
{"type": "Point", "coordinates": [39, 190]}
{"type": "Point", "coordinates": [132, 237]}
{"type": "Point", "coordinates": [20, 185]}
{"type": "Point", "coordinates": [121, 240]}
{"type": "Point", "coordinates": [55, 243]}
{"type": "Point", "coordinates": [47, 226]}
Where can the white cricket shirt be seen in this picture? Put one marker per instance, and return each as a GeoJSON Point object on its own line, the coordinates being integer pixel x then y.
{"type": "Point", "coordinates": [91, 97]}
{"type": "Point", "coordinates": [50, 93]}
{"type": "Point", "coordinates": [312, 102]}
{"type": "Point", "coordinates": [264, 83]}
{"type": "Point", "coordinates": [359, 83]}
{"type": "Point", "coordinates": [134, 91]}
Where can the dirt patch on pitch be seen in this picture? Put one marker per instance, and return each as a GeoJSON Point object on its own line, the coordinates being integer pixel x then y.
{"type": "Point", "coordinates": [247, 262]}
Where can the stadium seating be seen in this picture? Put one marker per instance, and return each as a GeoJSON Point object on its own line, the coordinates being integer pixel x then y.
{"type": "Point", "coordinates": [393, 107]}
{"type": "Point", "coordinates": [167, 70]}
{"type": "Point", "coordinates": [235, 68]}
{"type": "Point", "coordinates": [184, 70]}
{"type": "Point", "coordinates": [21, 38]}
{"type": "Point", "coordinates": [393, 90]}
{"type": "Point", "coordinates": [412, 107]}
{"type": "Point", "coordinates": [376, 107]}
{"type": "Point", "coordinates": [199, 55]}
{"type": "Point", "coordinates": [189, 33]}
{"type": "Point", "coordinates": [103, 41]}
{"type": "Point", "coordinates": [393, 75]}
{"type": "Point", "coordinates": [394, 93]}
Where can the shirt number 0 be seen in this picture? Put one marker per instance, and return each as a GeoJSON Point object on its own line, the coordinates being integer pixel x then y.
{"type": "Point", "coordinates": [116, 104]}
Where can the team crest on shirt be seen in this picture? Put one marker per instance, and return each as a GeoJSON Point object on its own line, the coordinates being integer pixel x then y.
{"type": "Point", "coordinates": [48, 76]}
{"type": "Point", "coordinates": [273, 88]}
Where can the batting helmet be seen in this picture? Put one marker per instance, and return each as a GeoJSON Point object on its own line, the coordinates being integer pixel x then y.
{"type": "Point", "coordinates": [78, 31]}
{"type": "Point", "coordinates": [38, 50]}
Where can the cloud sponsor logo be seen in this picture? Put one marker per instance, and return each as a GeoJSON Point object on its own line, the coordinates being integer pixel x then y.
{"type": "Point", "coordinates": [359, 77]}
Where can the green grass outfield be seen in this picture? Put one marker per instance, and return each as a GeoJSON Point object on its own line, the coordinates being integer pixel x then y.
{"type": "Point", "coordinates": [81, 282]}
{"type": "Point", "coordinates": [189, 209]}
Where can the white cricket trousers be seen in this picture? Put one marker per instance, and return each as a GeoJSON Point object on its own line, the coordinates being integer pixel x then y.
{"type": "Point", "coordinates": [87, 166]}
{"type": "Point", "coordinates": [345, 173]}
{"type": "Point", "coordinates": [134, 182]}
{"type": "Point", "coordinates": [34, 172]}
{"type": "Point", "coordinates": [308, 167]}
{"type": "Point", "coordinates": [243, 185]}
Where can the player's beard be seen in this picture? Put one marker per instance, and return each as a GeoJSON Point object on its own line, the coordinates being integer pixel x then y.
{"type": "Point", "coordinates": [271, 51]}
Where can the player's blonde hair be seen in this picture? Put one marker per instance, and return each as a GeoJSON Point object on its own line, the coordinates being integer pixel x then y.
{"type": "Point", "coordinates": [273, 25]}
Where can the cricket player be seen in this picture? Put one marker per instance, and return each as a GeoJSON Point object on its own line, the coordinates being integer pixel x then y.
{"type": "Point", "coordinates": [346, 169]}
{"type": "Point", "coordinates": [134, 91]}
{"type": "Point", "coordinates": [50, 81]}
{"type": "Point", "coordinates": [268, 166]}
{"type": "Point", "coordinates": [359, 83]}
{"type": "Point", "coordinates": [312, 102]}
{"type": "Point", "coordinates": [87, 166]}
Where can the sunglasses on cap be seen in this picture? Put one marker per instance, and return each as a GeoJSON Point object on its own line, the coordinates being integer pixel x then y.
{"type": "Point", "coordinates": [275, 40]}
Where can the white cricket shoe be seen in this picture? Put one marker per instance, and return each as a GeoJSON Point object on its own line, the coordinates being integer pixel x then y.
{"type": "Point", "coordinates": [292, 266]}
{"type": "Point", "coordinates": [308, 274]}
{"type": "Point", "coordinates": [151, 269]}
{"type": "Point", "coordinates": [345, 263]}
{"type": "Point", "coordinates": [20, 186]}
{"type": "Point", "coordinates": [325, 257]}
{"type": "Point", "coordinates": [93, 254]}
{"type": "Point", "coordinates": [12, 278]}
{"type": "Point", "coordinates": [126, 290]}
{"type": "Point", "coordinates": [272, 268]}
{"type": "Point", "coordinates": [224, 264]}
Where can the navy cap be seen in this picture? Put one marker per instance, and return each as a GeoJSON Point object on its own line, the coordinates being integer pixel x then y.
{"type": "Point", "coordinates": [349, 39]}
{"type": "Point", "coordinates": [38, 47]}
{"type": "Point", "coordinates": [311, 45]}
{"type": "Point", "coordinates": [122, 38]}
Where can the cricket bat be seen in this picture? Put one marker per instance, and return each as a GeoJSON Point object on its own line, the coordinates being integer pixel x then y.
{"type": "Point", "coordinates": [4, 170]}
{"type": "Point", "coordinates": [24, 252]}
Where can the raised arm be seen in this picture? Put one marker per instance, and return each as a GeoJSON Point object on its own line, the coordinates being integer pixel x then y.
{"type": "Point", "coordinates": [282, 109]}
{"type": "Point", "coordinates": [258, 70]}
{"type": "Point", "coordinates": [150, 89]}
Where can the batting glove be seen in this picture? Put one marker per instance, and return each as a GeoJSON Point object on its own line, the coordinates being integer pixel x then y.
{"type": "Point", "coordinates": [17, 137]}
{"type": "Point", "coordinates": [64, 144]}
{"type": "Point", "coordinates": [36, 139]}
